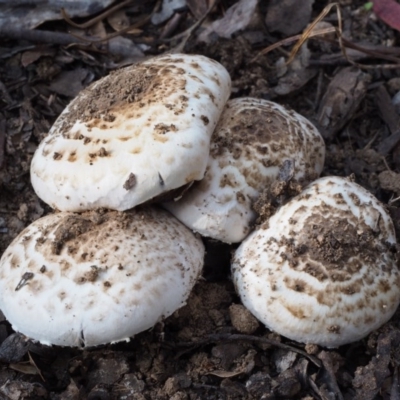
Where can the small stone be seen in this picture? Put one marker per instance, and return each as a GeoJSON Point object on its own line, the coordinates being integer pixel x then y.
{"type": "Point", "coordinates": [171, 386]}
{"type": "Point", "coordinates": [311, 348]}
{"type": "Point", "coordinates": [242, 319]}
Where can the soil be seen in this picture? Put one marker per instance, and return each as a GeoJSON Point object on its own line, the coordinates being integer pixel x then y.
{"type": "Point", "coordinates": [212, 348]}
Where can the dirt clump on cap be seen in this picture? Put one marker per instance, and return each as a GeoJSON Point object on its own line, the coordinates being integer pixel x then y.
{"type": "Point", "coordinates": [98, 101]}
{"type": "Point", "coordinates": [251, 125]}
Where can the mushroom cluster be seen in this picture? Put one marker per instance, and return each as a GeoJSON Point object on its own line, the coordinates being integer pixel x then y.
{"type": "Point", "coordinates": [91, 275]}
{"type": "Point", "coordinates": [319, 268]}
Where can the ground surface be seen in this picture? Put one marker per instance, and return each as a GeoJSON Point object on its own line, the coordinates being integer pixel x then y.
{"type": "Point", "coordinates": [211, 349]}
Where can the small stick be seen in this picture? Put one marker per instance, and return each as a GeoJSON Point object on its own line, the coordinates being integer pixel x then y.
{"type": "Point", "coordinates": [94, 20]}
{"type": "Point", "coordinates": [218, 337]}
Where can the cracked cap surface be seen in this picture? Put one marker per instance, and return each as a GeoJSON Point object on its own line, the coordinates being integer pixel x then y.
{"type": "Point", "coordinates": [97, 277]}
{"type": "Point", "coordinates": [323, 268]}
{"type": "Point", "coordinates": [251, 143]}
{"type": "Point", "coordinates": [137, 133]}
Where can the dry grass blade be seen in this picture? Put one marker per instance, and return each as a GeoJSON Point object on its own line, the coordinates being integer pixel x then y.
{"type": "Point", "coordinates": [389, 12]}
{"type": "Point", "coordinates": [311, 32]}
{"type": "Point", "coordinates": [27, 367]}
{"type": "Point", "coordinates": [32, 362]}
{"type": "Point", "coordinates": [393, 200]}
{"type": "Point", "coordinates": [307, 33]}
{"type": "Point", "coordinates": [316, 32]}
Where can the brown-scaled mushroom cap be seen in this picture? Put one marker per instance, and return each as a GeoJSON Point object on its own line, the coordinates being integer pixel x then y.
{"type": "Point", "coordinates": [92, 278]}
{"type": "Point", "coordinates": [323, 268]}
{"type": "Point", "coordinates": [251, 143]}
{"type": "Point", "coordinates": [135, 134]}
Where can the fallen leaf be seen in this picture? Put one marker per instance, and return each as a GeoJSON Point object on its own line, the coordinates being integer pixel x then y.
{"type": "Point", "coordinates": [118, 20]}
{"type": "Point", "coordinates": [69, 83]}
{"type": "Point", "coordinates": [29, 14]}
{"type": "Point", "coordinates": [388, 11]}
{"type": "Point", "coordinates": [342, 97]}
{"type": "Point", "coordinates": [24, 367]}
{"type": "Point", "coordinates": [169, 7]}
{"type": "Point", "coordinates": [126, 48]}
{"type": "Point", "coordinates": [294, 76]}
{"type": "Point", "coordinates": [287, 16]}
{"type": "Point", "coordinates": [97, 30]}
{"type": "Point", "coordinates": [13, 349]}
{"type": "Point", "coordinates": [236, 18]}
{"type": "Point", "coordinates": [198, 7]}
{"type": "Point", "coordinates": [30, 56]}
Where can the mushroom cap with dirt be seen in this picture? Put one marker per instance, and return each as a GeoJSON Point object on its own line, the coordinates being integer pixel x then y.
{"type": "Point", "coordinates": [133, 135]}
{"type": "Point", "coordinates": [323, 268]}
{"type": "Point", "coordinates": [251, 145]}
{"type": "Point", "coordinates": [97, 277]}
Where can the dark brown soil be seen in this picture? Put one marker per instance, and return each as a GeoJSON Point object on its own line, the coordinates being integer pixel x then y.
{"type": "Point", "coordinates": [211, 348]}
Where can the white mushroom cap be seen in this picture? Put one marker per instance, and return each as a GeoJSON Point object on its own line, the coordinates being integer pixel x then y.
{"type": "Point", "coordinates": [94, 278]}
{"type": "Point", "coordinates": [252, 141]}
{"type": "Point", "coordinates": [323, 268]}
{"type": "Point", "coordinates": [134, 134]}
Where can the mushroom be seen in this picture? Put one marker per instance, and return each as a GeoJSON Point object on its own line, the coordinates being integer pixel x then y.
{"type": "Point", "coordinates": [322, 269]}
{"type": "Point", "coordinates": [137, 133]}
{"type": "Point", "coordinates": [97, 277]}
{"type": "Point", "coordinates": [252, 143]}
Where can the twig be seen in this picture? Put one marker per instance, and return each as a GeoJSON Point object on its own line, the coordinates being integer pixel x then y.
{"type": "Point", "coordinates": [218, 337]}
{"type": "Point", "coordinates": [318, 91]}
{"type": "Point", "coordinates": [58, 38]}
{"type": "Point", "coordinates": [291, 39]}
{"type": "Point", "coordinates": [376, 52]}
{"type": "Point", "coordinates": [392, 200]}
{"type": "Point", "coordinates": [310, 32]}
{"type": "Point", "coordinates": [104, 39]}
{"type": "Point", "coordinates": [306, 34]}
{"type": "Point", "coordinates": [37, 36]}
{"type": "Point", "coordinates": [120, 32]}
{"type": "Point", "coordinates": [326, 359]}
{"type": "Point", "coordinates": [94, 20]}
